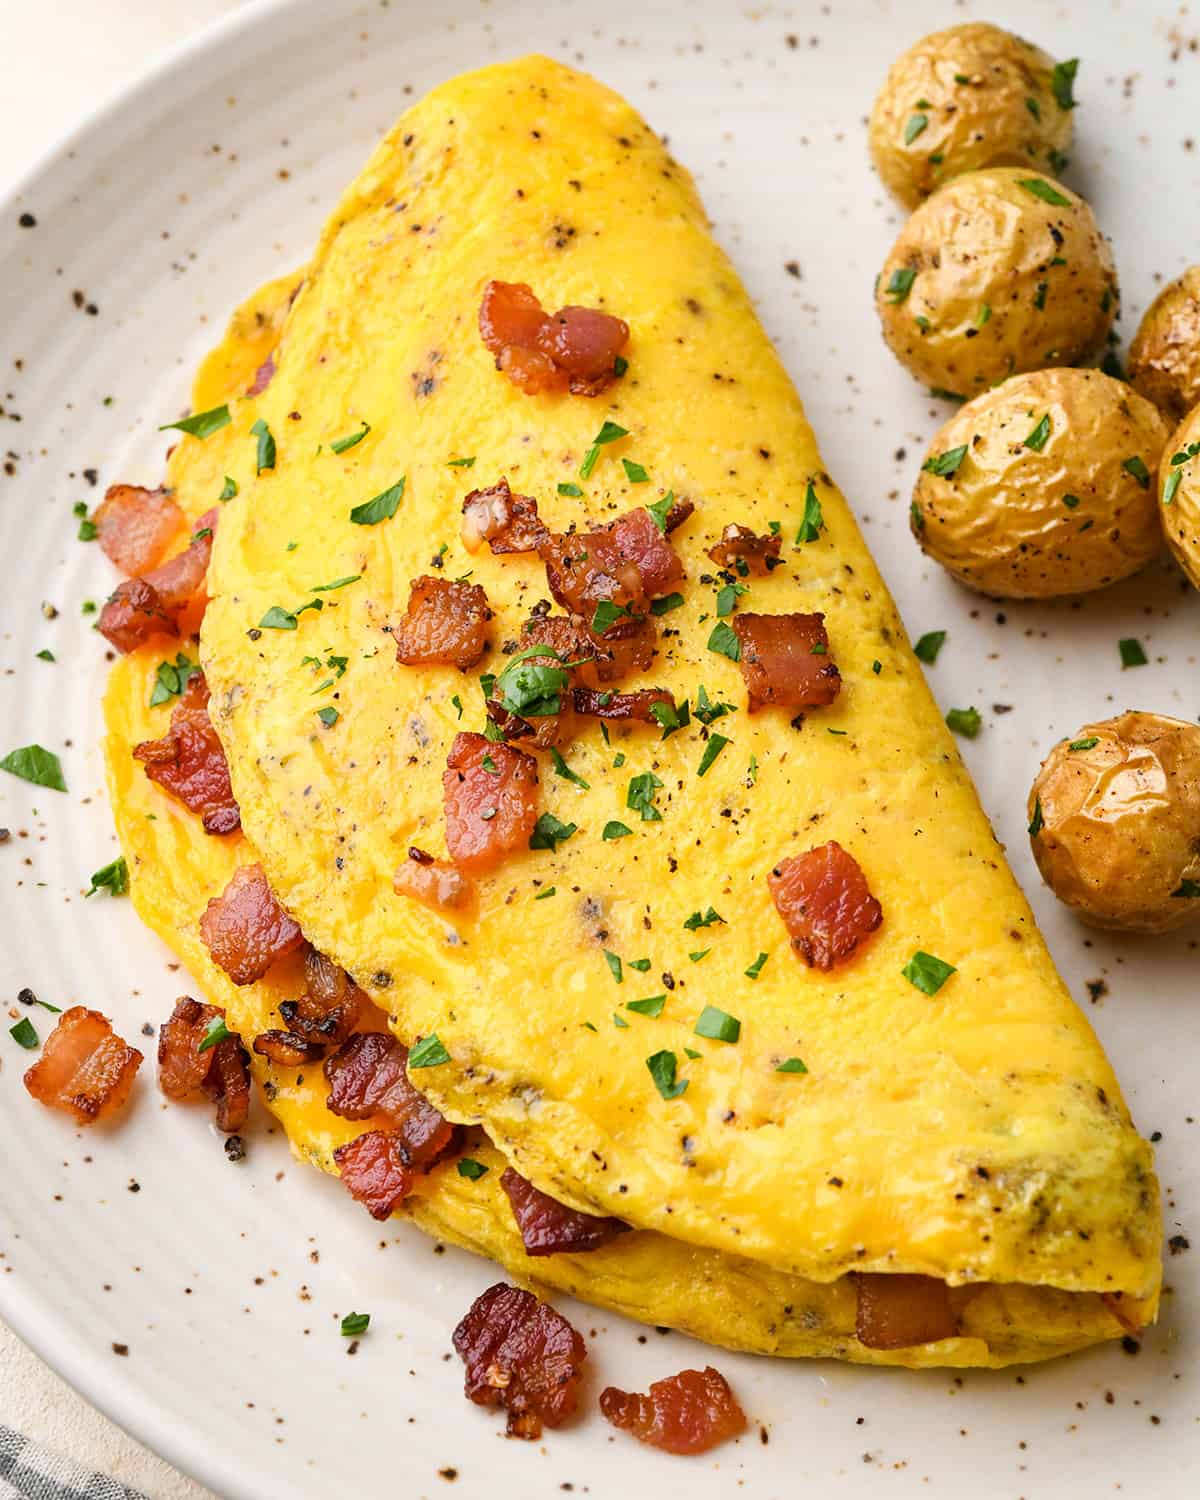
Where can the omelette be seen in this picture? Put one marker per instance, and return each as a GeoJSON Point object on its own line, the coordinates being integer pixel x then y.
{"type": "Point", "coordinates": [933, 1106]}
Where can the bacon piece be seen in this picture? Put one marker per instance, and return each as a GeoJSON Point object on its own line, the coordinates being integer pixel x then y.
{"type": "Point", "coordinates": [896, 1312]}
{"type": "Point", "coordinates": [785, 660]}
{"type": "Point", "coordinates": [573, 349]}
{"type": "Point", "coordinates": [189, 762]}
{"type": "Point", "coordinates": [507, 522]}
{"type": "Point", "coordinates": [522, 1355]}
{"type": "Point", "coordinates": [142, 608]}
{"type": "Point", "coordinates": [549, 1227]}
{"type": "Point", "coordinates": [635, 706]}
{"type": "Point", "coordinates": [222, 1071]}
{"type": "Point", "coordinates": [368, 1078]}
{"type": "Point", "coordinates": [287, 1049]}
{"type": "Point", "coordinates": [435, 882]}
{"type": "Point", "coordinates": [488, 813]}
{"type": "Point", "coordinates": [826, 905]}
{"type": "Point", "coordinates": [446, 624]}
{"type": "Point", "coordinates": [245, 928]}
{"type": "Point", "coordinates": [85, 1069]}
{"type": "Point", "coordinates": [263, 375]}
{"type": "Point", "coordinates": [135, 526]}
{"type": "Point", "coordinates": [587, 568]}
{"type": "Point", "coordinates": [329, 1008]}
{"type": "Point", "coordinates": [600, 661]}
{"type": "Point", "coordinates": [641, 543]}
{"type": "Point", "coordinates": [374, 1173]}
{"type": "Point", "coordinates": [686, 1413]}
{"type": "Point", "coordinates": [744, 551]}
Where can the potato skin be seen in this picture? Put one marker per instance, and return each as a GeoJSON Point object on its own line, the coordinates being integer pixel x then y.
{"type": "Point", "coordinates": [983, 122]}
{"type": "Point", "coordinates": [1179, 498]}
{"type": "Point", "coordinates": [1000, 522]}
{"type": "Point", "coordinates": [1164, 358]}
{"type": "Point", "coordinates": [1004, 282]}
{"type": "Point", "coordinates": [1120, 822]}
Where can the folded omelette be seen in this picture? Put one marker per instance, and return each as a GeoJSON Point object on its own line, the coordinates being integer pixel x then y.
{"type": "Point", "coordinates": [856, 1119]}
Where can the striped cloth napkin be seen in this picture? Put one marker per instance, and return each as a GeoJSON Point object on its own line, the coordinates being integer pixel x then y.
{"type": "Point", "coordinates": [28, 1472]}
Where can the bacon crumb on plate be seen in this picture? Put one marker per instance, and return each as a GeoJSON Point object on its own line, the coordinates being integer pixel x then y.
{"type": "Point", "coordinates": [490, 794]}
{"type": "Point", "coordinates": [825, 902]}
{"type": "Point", "coordinates": [445, 624]}
{"type": "Point", "coordinates": [900, 1311]}
{"type": "Point", "coordinates": [521, 1355]}
{"type": "Point", "coordinates": [686, 1413]}
{"type": "Point", "coordinates": [189, 761]}
{"type": "Point", "coordinates": [135, 526]}
{"type": "Point", "coordinates": [85, 1069]}
{"type": "Point", "coordinates": [549, 1227]}
{"type": "Point", "coordinates": [573, 349]}
{"type": "Point", "coordinates": [785, 660]}
{"type": "Point", "coordinates": [245, 929]}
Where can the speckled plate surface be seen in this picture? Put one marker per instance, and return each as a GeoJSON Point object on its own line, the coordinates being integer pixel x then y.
{"type": "Point", "coordinates": [198, 1302]}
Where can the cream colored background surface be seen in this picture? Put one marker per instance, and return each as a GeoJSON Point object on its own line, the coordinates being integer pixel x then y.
{"type": "Point", "coordinates": [59, 63]}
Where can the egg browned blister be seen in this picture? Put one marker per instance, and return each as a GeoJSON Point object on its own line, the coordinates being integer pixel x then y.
{"type": "Point", "coordinates": [977, 1134]}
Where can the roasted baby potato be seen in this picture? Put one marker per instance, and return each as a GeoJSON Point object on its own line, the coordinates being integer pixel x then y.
{"type": "Point", "coordinates": [999, 272]}
{"type": "Point", "coordinates": [1164, 358]}
{"type": "Point", "coordinates": [969, 97]}
{"type": "Point", "coordinates": [1043, 486]}
{"type": "Point", "coordinates": [1114, 820]}
{"type": "Point", "coordinates": [1179, 494]}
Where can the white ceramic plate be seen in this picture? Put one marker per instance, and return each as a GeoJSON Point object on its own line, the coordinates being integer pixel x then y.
{"type": "Point", "coordinates": [225, 1284]}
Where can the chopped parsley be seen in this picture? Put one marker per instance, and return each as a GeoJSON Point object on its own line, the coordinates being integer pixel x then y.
{"type": "Point", "coordinates": [707, 710]}
{"type": "Point", "coordinates": [671, 717]}
{"type": "Point", "coordinates": [381, 507]}
{"type": "Point", "coordinates": [756, 967]}
{"type": "Point", "coordinates": [927, 972]}
{"type": "Point", "coordinates": [1071, 501]}
{"type": "Point", "coordinates": [229, 489]}
{"type": "Point", "coordinates": [728, 596]}
{"type": "Point", "coordinates": [752, 771]}
{"type": "Point", "coordinates": [1132, 653]}
{"type": "Point", "coordinates": [1187, 890]}
{"type": "Point", "coordinates": [666, 604]}
{"type": "Point", "coordinates": [1039, 296]}
{"type": "Point", "coordinates": [716, 743]}
{"type": "Point", "coordinates": [112, 877]}
{"type": "Point", "coordinates": [642, 965]}
{"type": "Point", "coordinates": [1136, 467]}
{"type": "Point", "coordinates": [532, 685]}
{"type": "Point", "coordinates": [661, 509]}
{"type": "Point", "coordinates": [609, 433]}
{"type": "Point", "coordinates": [428, 1053]}
{"type": "Point", "coordinates": [724, 641]}
{"type": "Point", "coordinates": [471, 1169]}
{"type": "Point", "coordinates": [929, 645]}
{"type": "Point", "coordinates": [790, 1065]}
{"type": "Point", "coordinates": [607, 614]}
{"type": "Point", "coordinates": [812, 522]}
{"type": "Point", "coordinates": [170, 679]}
{"type": "Point", "coordinates": [615, 830]}
{"type": "Point", "coordinates": [640, 796]}
{"type": "Point", "coordinates": [945, 465]}
{"type": "Point", "coordinates": [215, 1032]}
{"type": "Point", "coordinates": [571, 490]}
{"type": "Point", "coordinates": [900, 284]}
{"type": "Point", "coordinates": [457, 703]}
{"type": "Point", "coordinates": [964, 721]}
{"type": "Point", "coordinates": [461, 463]}
{"type": "Point", "coordinates": [1086, 744]}
{"type": "Point", "coordinates": [278, 618]}
{"type": "Point", "coordinates": [328, 716]}
{"type": "Point", "coordinates": [703, 919]}
{"type": "Point", "coordinates": [201, 424]}
{"type": "Point", "coordinates": [88, 531]}
{"type": "Point", "coordinates": [620, 1021]}
{"type": "Point", "coordinates": [1037, 438]}
{"type": "Point", "coordinates": [1034, 108]}
{"type": "Point", "coordinates": [1038, 821]}
{"type": "Point", "coordinates": [662, 1066]}
{"type": "Point", "coordinates": [1044, 190]}
{"type": "Point", "coordinates": [24, 1033]}
{"type": "Point", "coordinates": [352, 440]}
{"type": "Point", "coordinates": [562, 769]}
{"type": "Point", "coordinates": [634, 472]}
{"type": "Point", "coordinates": [699, 954]}
{"type": "Point", "coordinates": [717, 1025]}
{"type": "Point", "coordinates": [651, 1006]}
{"type": "Point", "coordinates": [549, 832]}
{"type": "Point", "coordinates": [36, 764]}
{"type": "Point", "coordinates": [613, 960]}
{"type": "Point", "coordinates": [915, 127]}
{"type": "Point", "coordinates": [1174, 480]}
{"type": "Point", "coordinates": [45, 654]}
{"type": "Point", "coordinates": [338, 583]}
{"type": "Point", "coordinates": [916, 518]}
{"type": "Point", "coordinates": [355, 1323]}
{"type": "Point", "coordinates": [265, 453]}
{"type": "Point", "coordinates": [1062, 81]}
{"type": "Point", "coordinates": [551, 890]}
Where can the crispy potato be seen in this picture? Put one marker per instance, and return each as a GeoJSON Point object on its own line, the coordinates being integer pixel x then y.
{"type": "Point", "coordinates": [1179, 495]}
{"type": "Point", "coordinates": [1114, 820]}
{"type": "Point", "coordinates": [1043, 486]}
{"type": "Point", "coordinates": [969, 97]}
{"type": "Point", "coordinates": [1000, 271]}
{"type": "Point", "coordinates": [1164, 358]}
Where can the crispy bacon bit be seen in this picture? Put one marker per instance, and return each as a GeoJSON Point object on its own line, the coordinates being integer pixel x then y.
{"type": "Point", "coordinates": [641, 543]}
{"type": "Point", "coordinates": [522, 1355]}
{"type": "Point", "coordinates": [435, 882]}
{"type": "Point", "coordinates": [286, 1049]}
{"type": "Point", "coordinates": [189, 762]}
{"type": "Point", "coordinates": [635, 706]}
{"type": "Point", "coordinates": [135, 526]}
{"type": "Point", "coordinates": [743, 551]}
{"type": "Point", "coordinates": [446, 623]}
{"type": "Point", "coordinates": [601, 661]}
{"type": "Point", "coordinates": [549, 1227]}
{"type": "Point", "coordinates": [263, 375]}
{"type": "Point", "coordinates": [507, 522]}
{"type": "Point", "coordinates": [85, 1069]}
{"type": "Point", "coordinates": [785, 660]}
{"type": "Point", "coordinates": [489, 813]}
{"type": "Point", "coordinates": [374, 1173]}
{"type": "Point", "coordinates": [896, 1312]}
{"type": "Point", "coordinates": [368, 1078]}
{"type": "Point", "coordinates": [142, 608]}
{"type": "Point", "coordinates": [222, 1071]}
{"type": "Point", "coordinates": [826, 906]}
{"type": "Point", "coordinates": [686, 1413]}
{"type": "Point", "coordinates": [573, 349]}
{"type": "Point", "coordinates": [245, 928]}
{"type": "Point", "coordinates": [328, 1010]}
{"type": "Point", "coordinates": [587, 568]}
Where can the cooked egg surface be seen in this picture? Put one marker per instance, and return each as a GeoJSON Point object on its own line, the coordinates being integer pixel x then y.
{"type": "Point", "coordinates": [978, 1133]}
